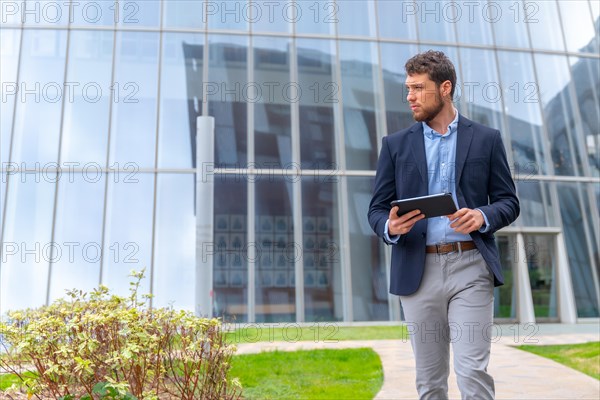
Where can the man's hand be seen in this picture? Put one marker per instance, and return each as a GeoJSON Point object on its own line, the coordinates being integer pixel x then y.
{"type": "Point", "coordinates": [402, 225]}
{"type": "Point", "coordinates": [466, 220]}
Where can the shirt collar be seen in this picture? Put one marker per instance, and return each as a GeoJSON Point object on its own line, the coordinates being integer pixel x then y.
{"type": "Point", "coordinates": [431, 134]}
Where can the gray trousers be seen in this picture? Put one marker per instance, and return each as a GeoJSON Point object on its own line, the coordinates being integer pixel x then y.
{"type": "Point", "coordinates": [453, 305]}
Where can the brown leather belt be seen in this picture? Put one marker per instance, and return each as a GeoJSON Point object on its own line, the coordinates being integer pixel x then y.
{"type": "Point", "coordinates": [444, 248]}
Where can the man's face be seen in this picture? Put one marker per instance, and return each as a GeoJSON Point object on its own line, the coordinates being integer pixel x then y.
{"type": "Point", "coordinates": [423, 97]}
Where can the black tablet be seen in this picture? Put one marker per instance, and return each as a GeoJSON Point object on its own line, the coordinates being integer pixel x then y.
{"type": "Point", "coordinates": [434, 205]}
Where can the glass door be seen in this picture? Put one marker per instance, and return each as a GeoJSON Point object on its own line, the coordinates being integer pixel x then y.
{"type": "Point", "coordinates": [532, 257]}
{"type": "Point", "coordinates": [541, 265]}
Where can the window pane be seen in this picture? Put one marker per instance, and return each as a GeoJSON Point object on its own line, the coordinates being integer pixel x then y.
{"type": "Point", "coordinates": [510, 29]}
{"type": "Point", "coordinates": [275, 286]}
{"type": "Point", "coordinates": [272, 120]}
{"type": "Point", "coordinates": [536, 201]}
{"type": "Point", "coordinates": [175, 242]}
{"type": "Point", "coordinates": [480, 88]}
{"type": "Point", "coordinates": [9, 57]}
{"type": "Point", "coordinates": [318, 16]}
{"type": "Point", "coordinates": [397, 19]}
{"type": "Point", "coordinates": [544, 25]}
{"type": "Point", "coordinates": [128, 239]}
{"type": "Point", "coordinates": [541, 263]}
{"type": "Point", "coordinates": [227, 80]}
{"type": "Point", "coordinates": [595, 202]}
{"type": "Point", "coordinates": [554, 80]}
{"type": "Point", "coordinates": [42, 66]}
{"type": "Point", "coordinates": [96, 13]}
{"type": "Point", "coordinates": [230, 262]}
{"type": "Point", "coordinates": [393, 58]}
{"type": "Point", "coordinates": [589, 202]}
{"type": "Point", "coordinates": [573, 218]}
{"type": "Point", "coordinates": [27, 242]}
{"type": "Point", "coordinates": [3, 180]}
{"type": "Point", "coordinates": [358, 90]}
{"type": "Point", "coordinates": [270, 16]}
{"type": "Point", "coordinates": [473, 21]}
{"type": "Point", "coordinates": [504, 296]}
{"type": "Point", "coordinates": [138, 13]}
{"type": "Point", "coordinates": [521, 106]}
{"type": "Point", "coordinates": [586, 79]}
{"type": "Point", "coordinates": [230, 15]}
{"type": "Point", "coordinates": [184, 14]}
{"type": "Point", "coordinates": [356, 18]}
{"type": "Point", "coordinates": [78, 233]}
{"type": "Point", "coordinates": [43, 12]}
{"type": "Point", "coordinates": [576, 13]}
{"type": "Point", "coordinates": [321, 92]}
{"type": "Point", "coordinates": [321, 251]}
{"type": "Point", "coordinates": [367, 259]}
{"type": "Point", "coordinates": [436, 20]}
{"type": "Point", "coordinates": [181, 99]}
{"type": "Point", "coordinates": [85, 125]}
{"type": "Point", "coordinates": [12, 13]}
{"type": "Point", "coordinates": [595, 10]}
{"type": "Point", "coordinates": [133, 132]}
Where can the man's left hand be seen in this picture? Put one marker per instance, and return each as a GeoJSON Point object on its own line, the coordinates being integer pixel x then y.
{"type": "Point", "coordinates": [466, 220]}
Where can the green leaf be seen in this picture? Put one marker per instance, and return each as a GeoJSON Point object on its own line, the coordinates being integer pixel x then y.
{"type": "Point", "coordinates": [99, 388]}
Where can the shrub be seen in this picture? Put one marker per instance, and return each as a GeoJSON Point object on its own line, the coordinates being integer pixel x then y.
{"type": "Point", "coordinates": [103, 346]}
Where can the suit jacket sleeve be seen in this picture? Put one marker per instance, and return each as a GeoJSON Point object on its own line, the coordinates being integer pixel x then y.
{"type": "Point", "coordinates": [384, 191]}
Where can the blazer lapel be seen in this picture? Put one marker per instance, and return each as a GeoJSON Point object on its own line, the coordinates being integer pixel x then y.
{"type": "Point", "coordinates": [463, 142]}
{"type": "Point", "coordinates": [418, 151]}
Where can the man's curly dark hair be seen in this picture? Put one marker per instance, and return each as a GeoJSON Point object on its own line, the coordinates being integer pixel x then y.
{"type": "Point", "coordinates": [436, 64]}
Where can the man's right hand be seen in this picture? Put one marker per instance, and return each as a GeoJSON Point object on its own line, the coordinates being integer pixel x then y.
{"type": "Point", "coordinates": [403, 224]}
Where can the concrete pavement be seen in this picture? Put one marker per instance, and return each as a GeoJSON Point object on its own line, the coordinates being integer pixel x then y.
{"type": "Point", "coordinates": [518, 374]}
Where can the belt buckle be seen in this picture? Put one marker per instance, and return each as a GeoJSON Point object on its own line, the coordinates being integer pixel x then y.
{"type": "Point", "coordinates": [454, 246]}
{"type": "Point", "coordinates": [439, 246]}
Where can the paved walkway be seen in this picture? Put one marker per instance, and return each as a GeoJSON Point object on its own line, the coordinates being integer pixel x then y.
{"type": "Point", "coordinates": [518, 374]}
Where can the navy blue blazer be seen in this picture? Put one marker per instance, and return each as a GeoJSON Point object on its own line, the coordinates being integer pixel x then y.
{"type": "Point", "coordinates": [483, 180]}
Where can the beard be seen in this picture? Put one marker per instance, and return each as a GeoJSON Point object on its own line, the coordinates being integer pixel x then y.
{"type": "Point", "coordinates": [429, 113]}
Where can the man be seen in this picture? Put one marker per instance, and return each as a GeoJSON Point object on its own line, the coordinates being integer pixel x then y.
{"type": "Point", "coordinates": [444, 269]}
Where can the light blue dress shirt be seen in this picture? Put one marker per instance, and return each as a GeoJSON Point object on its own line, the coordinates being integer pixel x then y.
{"type": "Point", "coordinates": [440, 151]}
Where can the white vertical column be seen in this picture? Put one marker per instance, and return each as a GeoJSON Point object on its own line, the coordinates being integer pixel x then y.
{"type": "Point", "coordinates": [525, 312]}
{"type": "Point", "coordinates": [205, 188]}
{"type": "Point", "coordinates": [342, 189]}
{"type": "Point", "coordinates": [251, 186]}
{"type": "Point", "coordinates": [567, 310]}
{"type": "Point", "coordinates": [297, 191]}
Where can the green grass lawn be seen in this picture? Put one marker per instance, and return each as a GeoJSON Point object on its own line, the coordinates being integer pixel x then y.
{"type": "Point", "coordinates": [315, 374]}
{"type": "Point", "coordinates": [325, 332]}
{"type": "Point", "coordinates": [345, 373]}
{"type": "Point", "coordinates": [584, 357]}
{"type": "Point", "coordinates": [348, 373]}
{"type": "Point", "coordinates": [7, 380]}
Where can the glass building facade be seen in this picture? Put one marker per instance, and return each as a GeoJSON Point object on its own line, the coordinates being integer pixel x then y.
{"type": "Point", "coordinates": [98, 148]}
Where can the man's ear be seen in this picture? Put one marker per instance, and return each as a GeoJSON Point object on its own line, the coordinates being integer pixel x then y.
{"type": "Point", "coordinates": [446, 88]}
